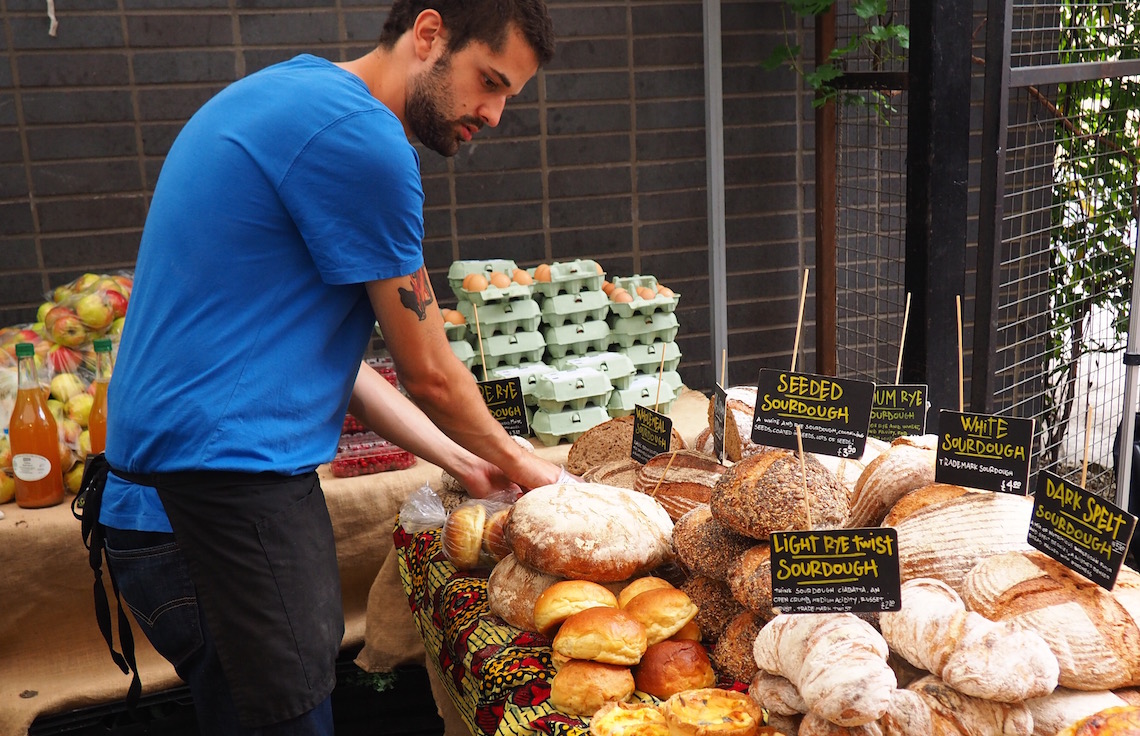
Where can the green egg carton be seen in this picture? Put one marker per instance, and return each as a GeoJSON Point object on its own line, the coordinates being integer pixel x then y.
{"type": "Point", "coordinates": [647, 358]}
{"type": "Point", "coordinates": [560, 391]}
{"type": "Point", "coordinates": [577, 339]}
{"type": "Point", "coordinates": [570, 277]}
{"type": "Point", "coordinates": [527, 373]}
{"type": "Point", "coordinates": [464, 352]}
{"type": "Point", "coordinates": [576, 308]}
{"type": "Point", "coordinates": [659, 302]}
{"type": "Point", "coordinates": [520, 347]}
{"type": "Point", "coordinates": [552, 428]}
{"type": "Point", "coordinates": [644, 329]}
{"type": "Point", "coordinates": [617, 366]}
{"type": "Point", "coordinates": [645, 391]}
{"type": "Point", "coordinates": [501, 318]}
{"type": "Point", "coordinates": [459, 270]}
{"type": "Point", "coordinates": [673, 378]}
{"type": "Point", "coordinates": [454, 332]}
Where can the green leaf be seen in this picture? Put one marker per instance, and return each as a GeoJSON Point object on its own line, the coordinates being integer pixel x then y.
{"type": "Point", "coordinates": [867, 9]}
{"type": "Point", "coordinates": [780, 55]}
{"type": "Point", "coordinates": [809, 8]}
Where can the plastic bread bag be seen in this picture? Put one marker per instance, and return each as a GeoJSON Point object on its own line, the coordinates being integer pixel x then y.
{"type": "Point", "coordinates": [422, 510]}
{"type": "Point", "coordinates": [474, 533]}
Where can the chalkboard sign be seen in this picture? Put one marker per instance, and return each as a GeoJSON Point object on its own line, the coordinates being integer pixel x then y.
{"type": "Point", "coordinates": [720, 407]}
{"type": "Point", "coordinates": [832, 413]}
{"type": "Point", "coordinates": [898, 410]}
{"type": "Point", "coordinates": [651, 434]}
{"type": "Point", "coordinates": [504, 399]}
{"type": "Point", "coordinates": [1079, 529]}
{"type": "Point", "coordinates": [984, 451]}
{"type": "Point", "coordinates": [836, 571]}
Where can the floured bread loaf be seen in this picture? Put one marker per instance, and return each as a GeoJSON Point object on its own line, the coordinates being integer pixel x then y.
{"type": "Point", "coordinates": [739, 408]}
{"type": "Point", "coordinates": [955, 714]}
{"type": "Point", "coordinates": [1094, 636]}
{"type": "Point", "coordinates": [1063, 707]}
{"type": "Point", "coordinates": [705, 545]}
{"type": "Point", "coordinates": [750, 579]}
{"type": "Point", "coordinates": [907, 715]}
{"type": "Point", "coordinates": [944, 530]}
{"type": "Point", "coordinates": [588, 531]}
{"type": "Point", "coordinates": [765, 493]}
{"type": "Point", "coordinates": [621, 473]}
{"type": "Point", "coordinates": [610, 440]}
{"type": "Point", "coordinates": [907, 465]}
{"type": "Point", "coordinates": [512, 590]}
{"type": "Point", "coordinates": [704, 443]}
{"type": "Point", "coordinates": [776, 694]}
{"type": "Point", "coordinates": [679, 480]}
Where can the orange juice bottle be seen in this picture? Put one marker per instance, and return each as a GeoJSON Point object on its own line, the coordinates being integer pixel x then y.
{"type": "Point", "coordinates": [34, 438]}
{"type": "Point", "coordinates": [97, 421]}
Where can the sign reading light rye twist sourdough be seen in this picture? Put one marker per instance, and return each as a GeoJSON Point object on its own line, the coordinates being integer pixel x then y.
{"type": "Point", "coordinates": [984, 451]}
{"type": "Point", "coordinates": [832, 413]}
{"type": "Point", "coordinates": [1079, 529]}
{"type": "Point", "coordinates": [836, 571]}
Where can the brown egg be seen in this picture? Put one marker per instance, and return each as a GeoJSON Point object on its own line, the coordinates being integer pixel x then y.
{"type": "Point", "coordinates": [500, 280]}
{"type": "Point", "coordinates": [474, 282]}
{"type": "Point", "coordinates": [645, 292]}
{"type": "Point", "coordinates": [621, 295]}
{"type": "Point", "coordinates": [542, 272]}
{"type": "Point", "coordinates": [454, 316]}
{"type": "Point", "coordinates": [520, 276]}
{"type": "Point", "coordinates": [664, 291]}
{"type": "Point", "coordinates": [599, 267]}
{"type": "Point", "coordinates": [607, 287]}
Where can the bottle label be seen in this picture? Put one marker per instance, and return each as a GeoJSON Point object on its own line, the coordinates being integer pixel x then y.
{"type": "Point", "coordinates": [30, 468]}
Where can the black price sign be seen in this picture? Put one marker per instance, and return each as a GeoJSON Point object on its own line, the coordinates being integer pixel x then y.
{"type": "Point", "coordinates": [832, 413]}
{"type": "Point", "coordinates": [984, 451]}
{"type": "Point", "coordinates": [504, 399]}
{"type": "Point", "coordinates": [898, 410]}
{"type": "Point", "coordinates": [836, 571]}
{"type": "Point", "coordinates": [720, 407]}
{"type": "Point", "coordinates": [1079, 529]}
{"type": "Point", "coordinates": [651, 434]}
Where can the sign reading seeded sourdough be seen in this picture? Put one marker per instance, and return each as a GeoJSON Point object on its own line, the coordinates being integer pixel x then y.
{"type": "Point", "coordinates": [504, 399]}
{"type": "Point", "coordinates": [983, 451]}
{"type": "Point", "coordinates": [836, 571]}
{"type": "Point", "coordinates": [651, 434]}
{"type": "Point", "coordinates": [832, 413]}
{"type": "Point", "coordinates": [1079, 529]}
{"type": "Point", "coordinates": [898, 410]}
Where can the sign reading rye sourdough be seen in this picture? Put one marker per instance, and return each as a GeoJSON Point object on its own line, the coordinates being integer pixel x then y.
{"type": "Point", "coordinates": [836, 571]}
{"type": "Point", "coordinates": [898, 410]}
{"type": "Point", "coordinates": [832, 413]}
{"type": "Point", "coordinates": [504, 399]}
{"type": "Point", "coordinates": [984, 451]}
{"type": "Point", "coordinates": [651, 434]}
{"type": "Point", "coordinates": [1079, 529]}
{"type": "Point", "coordinates": [720, 408]}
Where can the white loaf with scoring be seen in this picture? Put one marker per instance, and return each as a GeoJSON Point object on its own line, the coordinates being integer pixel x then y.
{"type": "Point", "coordinates": [588, 531]}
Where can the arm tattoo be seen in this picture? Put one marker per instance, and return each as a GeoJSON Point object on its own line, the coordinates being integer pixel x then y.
{"type": "Point", "coordinates": [420, 296]}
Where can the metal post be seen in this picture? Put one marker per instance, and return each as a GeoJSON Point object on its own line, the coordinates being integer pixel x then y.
{"type": "Point", "coordinates": [714, 158]}
{"type": "Point", "coordinates": [1128, 422]}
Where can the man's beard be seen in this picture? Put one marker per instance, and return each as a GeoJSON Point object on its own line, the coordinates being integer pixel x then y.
{"type": "Point", "coordinates": [431, 91]}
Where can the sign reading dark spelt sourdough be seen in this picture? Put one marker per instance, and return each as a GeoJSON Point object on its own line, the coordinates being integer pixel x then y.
{"type": "Point", "coordinates": [984, 451]}
{"type": "Point", "coordinates": [898, 410]}
{"type": "Point", "coordinates": [832, 413]}
{"type": "Point", "coordinates": [1079, 529]}
{"type": "Point", "coordinates": [651, 434]}
{"type": "Point", "coordinates": [720, 408]}
{"type": "Point", "coordinates": [836, 571]}
{"type": "Point", "coordinates": [504, 399]}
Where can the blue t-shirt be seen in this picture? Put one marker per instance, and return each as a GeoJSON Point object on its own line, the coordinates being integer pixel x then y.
{"type": "Point", "coordinates": [279, 199]}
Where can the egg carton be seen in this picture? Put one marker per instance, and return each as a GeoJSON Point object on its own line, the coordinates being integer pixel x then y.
{"type": "Point", "coordinates": [648, 358]}
{"type": "Point", "coordinates": [563, 390]}
{"type": "Point", "coordinates": [528, 375]}
{"type": "Point", "coordinates": [514, 349]}
{"type": "Point", "coordinates": [459, 270]}
{"type": "Point", "coordinates": [644, 329]}
{"type": "Point", "coordinates": [552, 428]}
{"type": "Point", "coordinates": [576, 308]}
{"type": "Point", "coordinates": [454, 332]}
{"type": "Point", "coordinates": [464, 352]}
{"type": "Point", "coordinates": [577, 339]}
{"type": "Point", "coordinates": [570, 277]}
{"type": "Point", "coordinates": [646, 391]}
{"type": "Point", "coordinates": [501, 318]}
{"type": "Point", "coordinates": [640, 305]}
{"type": "Point", "coordinates": [617, 366]}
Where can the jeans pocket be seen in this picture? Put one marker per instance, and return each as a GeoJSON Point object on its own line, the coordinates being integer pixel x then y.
{"type": "Point", "coordinates": [155, 584]}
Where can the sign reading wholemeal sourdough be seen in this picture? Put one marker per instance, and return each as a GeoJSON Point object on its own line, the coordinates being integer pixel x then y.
{"type": "Point", "coordinates": [651, 434]}
{"type": "Point", "coordinates": [1079, 529]}
{"type": "Point", "coordinates": [984, 451]}
{"type": "Point", "coordinates": [504, 399]}
{"type": "Point", "coordinates": [832, 413]}
{"type": "Point", "coordinates": [720, 408]}
{"type": "Point", "coordinates": [898, 410]}
{"type": "Point", "coordinates": [836, 571]}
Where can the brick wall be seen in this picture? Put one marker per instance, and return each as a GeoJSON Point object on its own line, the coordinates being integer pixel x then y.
{"type": "Point", "coordinates": [602, 156]}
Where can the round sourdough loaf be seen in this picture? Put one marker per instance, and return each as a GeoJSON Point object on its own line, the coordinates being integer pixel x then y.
{"type": "Point", "coordinates": [716, 606]}
{"type": "Point", "coordinates": [750, 579]}
{"type": "Point", "coordinates": [705, 546]}
{"type": "Point", "coordinates": [732, 656]}
{"type": "Point", "coordinates": [610, 440]}
{"type": "Point", "coordinates": [680, 480]}
{"type": "Point", "coordinates": [621, 473]}
{"type": "Point", "coordinates": [908, 464]}
{"type": "Point", "coordinates": [588, 531]}
{"type": "Point", "coordinates": [512, 590]}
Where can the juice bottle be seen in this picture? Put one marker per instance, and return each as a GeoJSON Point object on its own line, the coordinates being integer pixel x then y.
{"type": "Point", "coordinates": [97, 421]}
{"type": "Point", "coordinates": [34, 438]}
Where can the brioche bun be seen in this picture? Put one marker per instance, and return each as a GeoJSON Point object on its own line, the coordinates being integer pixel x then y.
{"type": "Point", "coordinates": [662, 611]}
{"type": "Point", "coordinates": [463, 535]}
{"type": "Point", "coordinates": [564, 599]}
{"type": "Point", "coordinates": [581, 687]}
{"type": "Point", "coordinates": [639, 586]}
{"type": "Point", "coordinates": [601, 634]}
{"type": "Point", "coordinates": [669, 667]}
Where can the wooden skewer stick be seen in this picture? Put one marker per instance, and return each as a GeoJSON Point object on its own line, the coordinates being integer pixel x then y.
{"type": "Point", "coordinates": [660, 377]}
{"type": "Point", "coordinates": [672, 457]}
{"type": "Point", "coordinates": [803, 477]}
{"type": "Point", "coordinates": [479, 339]}
{"type": "Point", "coordinates": [961, 400]}
{"type": "Point", "coordinates": [799, 321]}
{"type": "Point", "coordinates": [1088, 431]}
{"type": "Point", "coordinates": [902, 338]}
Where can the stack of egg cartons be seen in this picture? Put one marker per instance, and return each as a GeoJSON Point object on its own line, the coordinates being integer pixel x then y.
{"type": "Point", "coordinates": [644, 329]}
{"type": "Point", "coordinates": [502, 321]}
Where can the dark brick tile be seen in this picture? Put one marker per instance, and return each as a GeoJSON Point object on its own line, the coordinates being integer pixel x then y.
{"type": "Point", "coordinates": [437, 223]}
{"type": "Point", "coordinates": [567, 183]}
{"type": "Point", "coordinates": [748, 226]}
{"type": "Point", "coordinates": [72, 70]}
{"type": "Point", "coordinates": [671, 83]}
{"type": "Point", "coordinates": [496, 189]}
{"type": "Point", "coordinates": [586, 150]}
{"type": "Point", "coordinates": [767, 168]}
{"type": "Point", "coordinates": [158, 137]}
{"type": "Point", "coordinates": [431, 163]}
{"type": "Point", "coordinates": [276, 28]}
{"type": "Point", "coordinates": [363, 26]}
{"type": "Point", "coordinates": [38, 7]}
{"type": "Point", "coordinates": [5, 72]}
{"type": "Point", "coordinates": [676, 234]}
{"type": "Point", "coordinates": [53, 108]}
{"type": "Point", "coordinates": [86, 177]}
{"type": "Point", "coordinates": [575, 120]}
{"type": "Point", "coordinates": [165, 67]}
{"type": "Point", "coordinates": [651, 19]}
{"type": "Point", "coordinates": [270, 4]}
{"type": "Point", "coordinates": [658, 114]}
{"type": "Point", "coordinates": [91, 214]}
{"type": "Point", "coordinates": [578, 213]}
{"type": "Point", "coordinates": [656, 177]}
{"type": "Point", "coordinates": [767, 139]}
{"type": "Point", "coordinates": [174, 4]}
{"type": "Point", "coordinates": [16, 218]}
{"type": "Point", "coordinates": [197, 29]}
{"type": "Point", "coordinates": [499, 156]}
{"type": "Point", "coordinates": [691, 203]}
{"type": "Point", "coordinates": [11, 149]}
{"type": "Point", "coordinates": [587, 86]}
{"type": "Point", "coordinates": [438, 257]}
{"type": "Point", "coordinates": [610, 246]}
{"type": "Point", "coordinates": [22, 288]}
{"type": "Point", "coordinates": [76, 31]}
{"type": "Point", "coordinates": [18, 254]}
{"type": "Point", "coordinates": [776, 197]}
{"type": "Point", "coordinates": [599, 20]}
{"type": "Point", "coordinates": [654, 146]}
{"type": "Point", "coordinates": [752, 79]}
{"type": "Point", "coordinates": [7, 108]}
{"type": "Point", "coordinates": [61, 143]}
{"type": "Point", "coordinates": [576, 54]}
{"type": "Point", "coordinates": [517, 121]}
{"type": "Point", "coordinates": [668, 267]}
{"type": "Point", "coordinates": [437, 191]}
{"type": "Point", "coordinates": [766, 110]}
{"type": "Point", "coordinates": [520, 247]}
{"type": "Point", "coordinates": [12, 181]}
{"type": "Point", "coordinates": [502, 219]}
{"type": "Point", "coordinates": [670, 51]}
{"type": "Point", "coordinates": [173, 103]}
{"type": "Point", "coordinates": [754, 15]}
{"type": "Point", "coordinates": [91, 251]}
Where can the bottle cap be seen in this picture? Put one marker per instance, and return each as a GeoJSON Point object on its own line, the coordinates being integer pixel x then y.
{"type": "Point", "coordinates": [103, 345]}
{"type": "Point", "coordinates": [25, 350]}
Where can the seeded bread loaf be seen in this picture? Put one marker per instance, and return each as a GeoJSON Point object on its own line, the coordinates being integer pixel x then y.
{"type": "Point", "coordinates": [679, 480]}
{"type": "Point", "coordinates": [705, 546]}
{"type": "Point", "coordinates": [750, 579]}
{"type": "Point", "coordinates": [716, 607]}
{"type": "Point", "coordinates": [610, 440]}
{"type": "Point", "coordinates": [732, 656]}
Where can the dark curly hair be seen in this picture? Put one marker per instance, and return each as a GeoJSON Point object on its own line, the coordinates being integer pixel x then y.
{"type": "Point", "coordinates": [487, 21]}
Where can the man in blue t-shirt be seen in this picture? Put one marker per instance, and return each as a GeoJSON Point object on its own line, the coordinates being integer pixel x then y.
{"type": "Point", "coordinates": [288, 218]}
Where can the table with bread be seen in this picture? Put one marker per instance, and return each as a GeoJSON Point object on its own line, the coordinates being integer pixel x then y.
{"type": "Point", "coordinates": [639, 601]}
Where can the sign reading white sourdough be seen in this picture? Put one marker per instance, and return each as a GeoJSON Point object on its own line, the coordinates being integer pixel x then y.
{"type": "Point", "coordinates": [504, 399]}
{"type": "Point", "coordinates": [832, 413]}
{"type": "Point", "coordinates": [898, 410]}
{"type": "Point", "coordinates": [836, 571]}
{"type": "Point", "coordinates": [984, 451]}
{"type": "Point", "coordinates": [1079, 529]}
{"type": "Point", "coordinates": [651, 434]}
